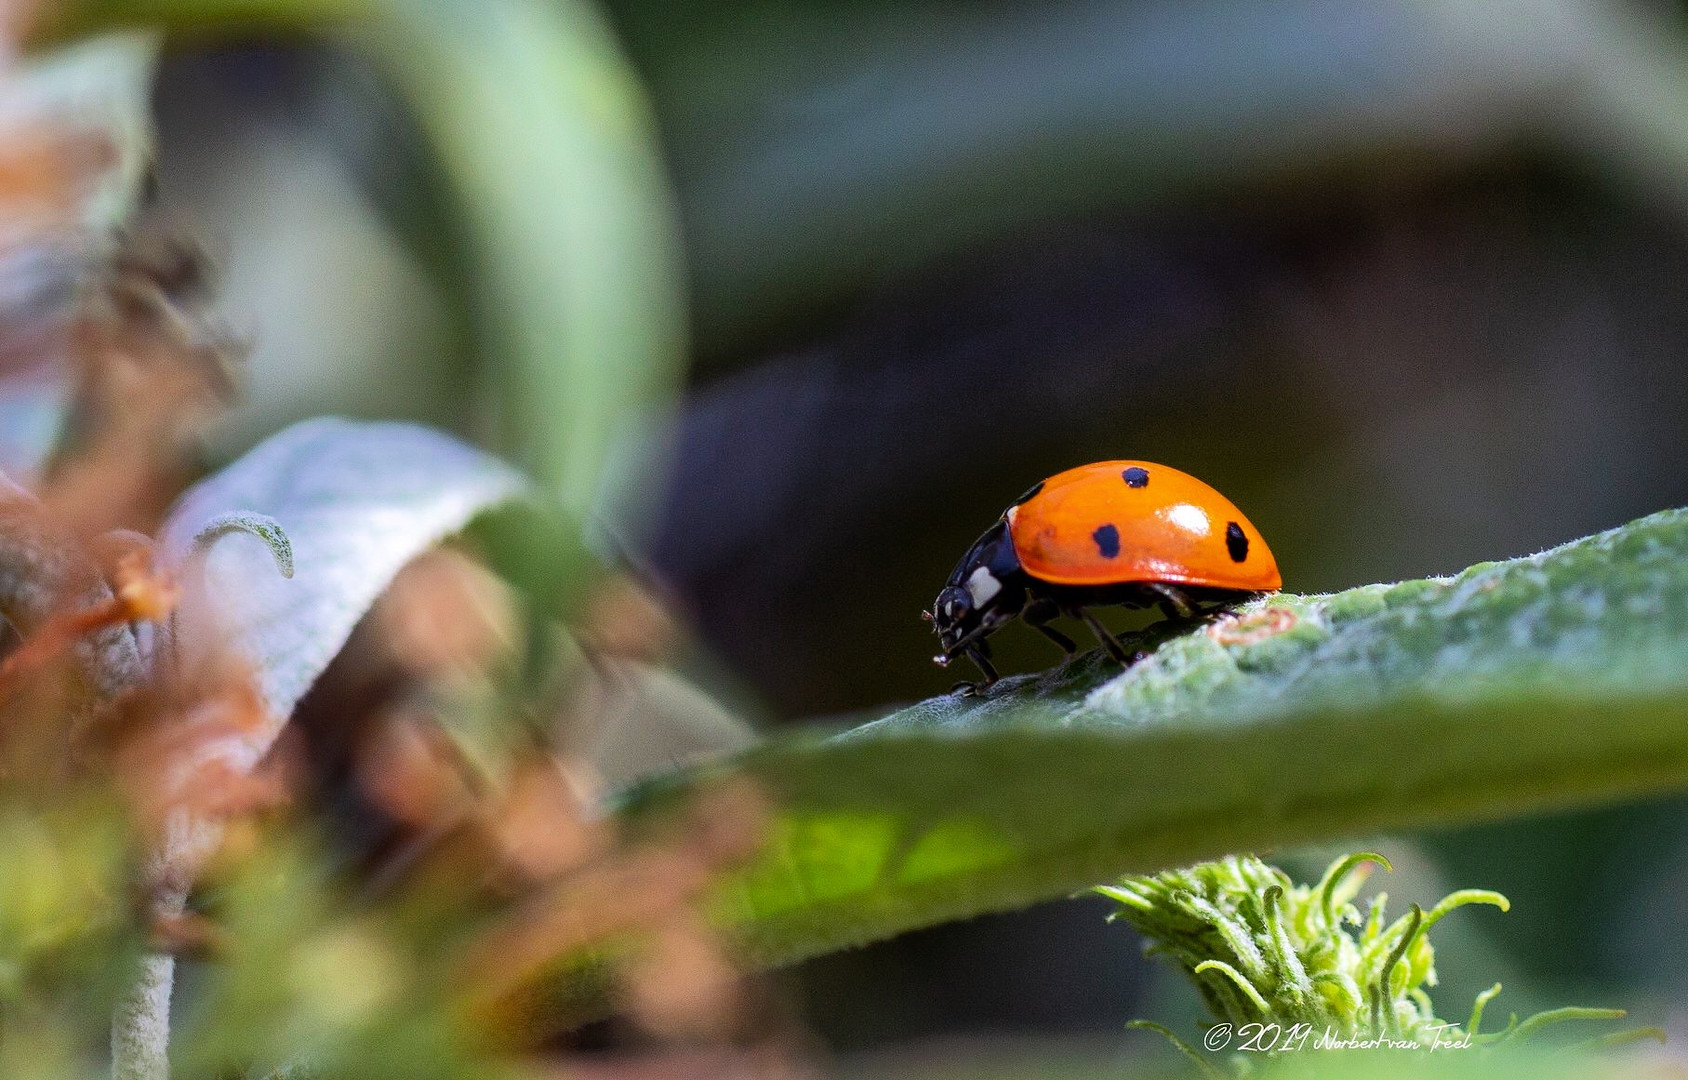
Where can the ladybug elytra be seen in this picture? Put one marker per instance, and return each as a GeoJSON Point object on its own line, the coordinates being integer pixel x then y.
{"type": "Point", "coordinates": [1127, 533]}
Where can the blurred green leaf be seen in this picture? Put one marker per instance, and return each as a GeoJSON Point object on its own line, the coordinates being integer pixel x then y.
{"type": "Point", "coordinates": [544, 131]}
{"type": "Point", "coordinates": [312, 985]}
{"type": "Point", "coordinates": [819, 147]}
{"type": "Point", "coordinates": [1555, 680]}
{"type": "Point", "coordinates": [1448, 1064]}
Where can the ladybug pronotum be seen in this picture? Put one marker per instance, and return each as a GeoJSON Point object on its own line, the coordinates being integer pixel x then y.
{"type": "Point", "coordinates": [1127, 533]}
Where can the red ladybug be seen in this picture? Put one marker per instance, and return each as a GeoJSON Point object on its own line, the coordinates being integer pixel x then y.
{"type": "Point", "coordinates": [1131, 533]}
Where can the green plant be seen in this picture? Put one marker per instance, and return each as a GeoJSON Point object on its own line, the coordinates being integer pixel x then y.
{"type": "Point", "coordinates": [1555, 680]}
{"type": "Point", "coordinates": [145, 826]}
{"type": "Point", "coordinates": [1282, 966]}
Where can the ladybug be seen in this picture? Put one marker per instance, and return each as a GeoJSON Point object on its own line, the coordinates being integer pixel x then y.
{"type": "Point", "coordinates": [1130, 533]}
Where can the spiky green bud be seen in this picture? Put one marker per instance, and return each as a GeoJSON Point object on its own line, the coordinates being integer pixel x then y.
{"type": "Point", "coordinates": [1264, 950]}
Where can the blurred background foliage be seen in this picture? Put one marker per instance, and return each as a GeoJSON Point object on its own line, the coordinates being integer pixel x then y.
{"type": "Point", "coordinates": [1400, 278]}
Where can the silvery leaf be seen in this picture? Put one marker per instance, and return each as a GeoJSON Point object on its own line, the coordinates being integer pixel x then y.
{"type": "Point", "coordinates": [355, 502]}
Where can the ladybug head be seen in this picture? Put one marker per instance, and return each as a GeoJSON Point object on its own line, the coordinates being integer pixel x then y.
{"type": "Point", "coordinates": [953, 616]}
{"type": "Point", "coordinates": [964, 615]}
{"type": "Point", "coordinates": [982, 594]}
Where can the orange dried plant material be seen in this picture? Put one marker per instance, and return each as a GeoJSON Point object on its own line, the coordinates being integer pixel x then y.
{"type": "Point", "coordinates": [1257, 626]}
{"type": "Point", "coordinates": [631, 890]}
{"type": "Point", "coordinates": [680, 983]}
{"type": "Point", "coordinates": [409, 769]}
{"type": "Point", "coordinates": [154, 367]}
{"type": "Point", "coordinates": [188, 751]}
{"type": "Point", "coordinates": [541, 828]}
{"type": "Point", "coordinates": [47, 169]}
{"type": "Point", "coordinates": [445, 614]}
{"type": "Point", "coordinates": [625, 618]}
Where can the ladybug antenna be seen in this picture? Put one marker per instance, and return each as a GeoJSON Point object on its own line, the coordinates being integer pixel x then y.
{"type": "Point", "coordinates": [927, 615]}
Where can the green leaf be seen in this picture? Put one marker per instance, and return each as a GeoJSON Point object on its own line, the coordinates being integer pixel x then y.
{"type": "Point", "coordinates": [544, 132]}
{"type": "Point", "coordinates": [1550, 681]}
{"type": "Point", "coordinates": [544, 128]}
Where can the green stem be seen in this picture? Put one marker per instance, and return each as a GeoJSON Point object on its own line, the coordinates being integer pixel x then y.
{"type": "Point", "coordinates": [140, 1022]}
{"type": "Point", "coordinates": [1239, 979]}
{"type": "Point", "coordinates": [1477, 1007]}
{"type": "Point", "coordinates": [1180, 1045]}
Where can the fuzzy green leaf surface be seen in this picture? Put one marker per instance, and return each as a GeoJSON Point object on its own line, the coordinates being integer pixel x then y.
{"type": "Point", "coordinates": [1555, 680]}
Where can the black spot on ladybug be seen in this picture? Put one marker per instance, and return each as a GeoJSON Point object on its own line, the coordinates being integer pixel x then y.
{"type": "Point", "coordinates": [1030, 494]}
{"type": "Point", "coordinates": [1235, 542]}
{"type": "Point", "coordinates": [1135, 477]}
{"type": "Point", "coordinates": [1107, 541]}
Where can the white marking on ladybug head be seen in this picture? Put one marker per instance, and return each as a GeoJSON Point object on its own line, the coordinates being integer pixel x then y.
{"type": "Point", "coordinates": [1189, 517]}
{"type": "Point", "coordinates": [982, 585]}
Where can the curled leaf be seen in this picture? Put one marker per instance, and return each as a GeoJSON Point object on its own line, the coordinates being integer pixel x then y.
{"type": "Point", "coordinates": [264, 527]}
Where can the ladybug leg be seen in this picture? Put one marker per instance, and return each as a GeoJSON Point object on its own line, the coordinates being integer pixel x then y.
{"type": "Point", "coordinates": [1067, 644]}
{"type": "Point", "coordinates": [983, 663]}
{"type": "Point", "coordinates": [1174, 602]}
{"type": "Point", "coordinates": [1037, 616]}
{"type": "Point", "coordinates": [1109, 642]}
